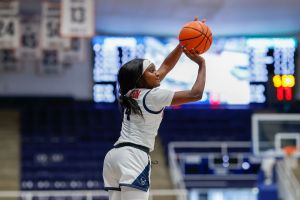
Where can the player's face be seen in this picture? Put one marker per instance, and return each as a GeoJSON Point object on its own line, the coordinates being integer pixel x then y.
{"type": "Point", "coordinates": [151, 77]}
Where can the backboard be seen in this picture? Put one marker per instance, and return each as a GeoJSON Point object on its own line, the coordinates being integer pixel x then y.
{"type": "Point", "coordinates": [272, 132]}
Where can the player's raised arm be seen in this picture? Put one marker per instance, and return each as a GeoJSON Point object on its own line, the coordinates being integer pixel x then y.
{"type": "Point", "coordinates": [169, 62]}
{"type": "Point", "coordinates": [196, 92]}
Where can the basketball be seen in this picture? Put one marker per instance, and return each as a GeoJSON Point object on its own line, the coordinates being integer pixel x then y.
{"type": "Point", "coordinates": [196, 35]}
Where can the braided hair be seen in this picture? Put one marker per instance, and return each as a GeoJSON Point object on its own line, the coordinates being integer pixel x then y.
{"type": "Point", "coordinates": [128, 77]}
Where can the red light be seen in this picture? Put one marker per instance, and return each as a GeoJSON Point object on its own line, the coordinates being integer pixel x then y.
{"type": "Point", "coordinates": [284, 93]}
{"type": "Point", "coordinates": [288, 93]}
{"type": "Point", "coordinates": [214, 99]}
{"type": "Point", "coordinates": [280, 93]}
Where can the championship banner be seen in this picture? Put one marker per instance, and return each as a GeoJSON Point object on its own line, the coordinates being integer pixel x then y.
{"type": "Point", "coordinates": [76, 53]}
{"type": "Point", "coordinates": [78, 18]}
{"type": "Point", "coordinates": [9, 24]}
{"type": "Point", "coordinates": [30, 38]}
{"type": "Point", "coordinates": [50, 63]}
{"type": "Point", "coordinates": [50, 35]}
{"type": "Point", "coordinates": [9, 60]}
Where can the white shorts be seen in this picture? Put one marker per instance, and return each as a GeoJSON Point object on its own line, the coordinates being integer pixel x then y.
{"type": "Point", "coordinates": [126, 166]}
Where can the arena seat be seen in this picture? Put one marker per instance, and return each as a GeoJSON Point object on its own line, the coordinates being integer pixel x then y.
{"type": "Point", "coordinates": [63, 146]}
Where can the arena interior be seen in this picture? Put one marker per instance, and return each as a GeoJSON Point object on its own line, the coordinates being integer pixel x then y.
{"type": "Point", "coordinates": [59, 113]}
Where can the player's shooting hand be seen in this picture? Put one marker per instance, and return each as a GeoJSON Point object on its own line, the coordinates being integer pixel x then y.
{"type": "Point", "coordinates": [194, 56]}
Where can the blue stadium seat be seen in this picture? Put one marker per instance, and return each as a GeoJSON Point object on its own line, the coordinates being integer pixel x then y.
{"type": "Point", "coordinates": [63, 147]}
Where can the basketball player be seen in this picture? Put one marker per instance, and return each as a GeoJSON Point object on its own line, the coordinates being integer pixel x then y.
{"type": "Point", "coordinates": [126, 169]}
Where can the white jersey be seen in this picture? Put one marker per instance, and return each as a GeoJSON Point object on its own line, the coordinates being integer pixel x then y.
{"type": "Point", "coordinates": [142, 130]}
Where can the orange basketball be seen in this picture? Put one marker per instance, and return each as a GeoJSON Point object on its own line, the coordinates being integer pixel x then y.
{"type": "Point", "coordinates": [197, 35]}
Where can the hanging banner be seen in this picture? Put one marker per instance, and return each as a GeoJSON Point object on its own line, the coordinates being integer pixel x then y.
{"type": "Point", "coordinates": [78, 18]}
{"type": "Point", "coordinates": [76, 53]}
{"type": "Point", "coordinates": [50, 63]}
{"type": "Point", "coordinates": [50, 35]}
{"type": "Point", "coordinates": [9, 60]}
{"type": "Point", "coordinates": [30, 38]}
{"type": "Point", "coordinates": [9, 24]}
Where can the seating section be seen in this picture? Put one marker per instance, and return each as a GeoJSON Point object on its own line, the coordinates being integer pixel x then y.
{"type": "Point", "coordinates": [205, 125]}
{"type": "Point", "coordinates": [211, 125]}
{"type": "Point", "coordinates": [63, 147]}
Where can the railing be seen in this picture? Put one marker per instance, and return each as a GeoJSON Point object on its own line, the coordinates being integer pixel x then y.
{"type": "Point", "coordinates": [289, 187]}
{"type": "Point", "coordinates": [87, 194]}
{"type": "Point", "coordinates": [178, 177]}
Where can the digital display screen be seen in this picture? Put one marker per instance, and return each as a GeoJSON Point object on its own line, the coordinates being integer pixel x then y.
{"type": "Point", "coordinates": [237, 69]}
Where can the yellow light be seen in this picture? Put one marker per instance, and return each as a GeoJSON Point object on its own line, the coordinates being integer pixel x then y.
{"type": "Point", "coordinates": [277, 81]}
{"type": "Point", "coordinates": [288, 81]}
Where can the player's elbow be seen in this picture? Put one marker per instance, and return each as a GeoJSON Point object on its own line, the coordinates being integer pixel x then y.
{"type": "Point", "coordinates": [197, 96]}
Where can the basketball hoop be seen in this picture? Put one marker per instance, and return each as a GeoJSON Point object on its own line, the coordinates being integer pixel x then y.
{"type": "Point", "coordinates": [290, 151]}
{"type": "Point", "coordinates": [290, 156]}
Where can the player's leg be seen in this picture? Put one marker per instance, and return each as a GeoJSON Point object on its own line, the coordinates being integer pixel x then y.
{"type": "Point", "coordinates": [110, 176]}
{"type": "Point", "coordinates": [114, 195]}
{"type": "Point", "coordinates": [129, 193]}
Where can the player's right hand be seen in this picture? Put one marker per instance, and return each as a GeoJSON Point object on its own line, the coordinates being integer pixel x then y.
{"type": "Point", "coordinates": [194, 56]}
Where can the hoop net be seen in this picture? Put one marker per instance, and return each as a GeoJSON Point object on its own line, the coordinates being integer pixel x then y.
{"type": "Point", "coordinates": [290, 157]}
{"type": "Point", "coordinates": [290, 151]}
